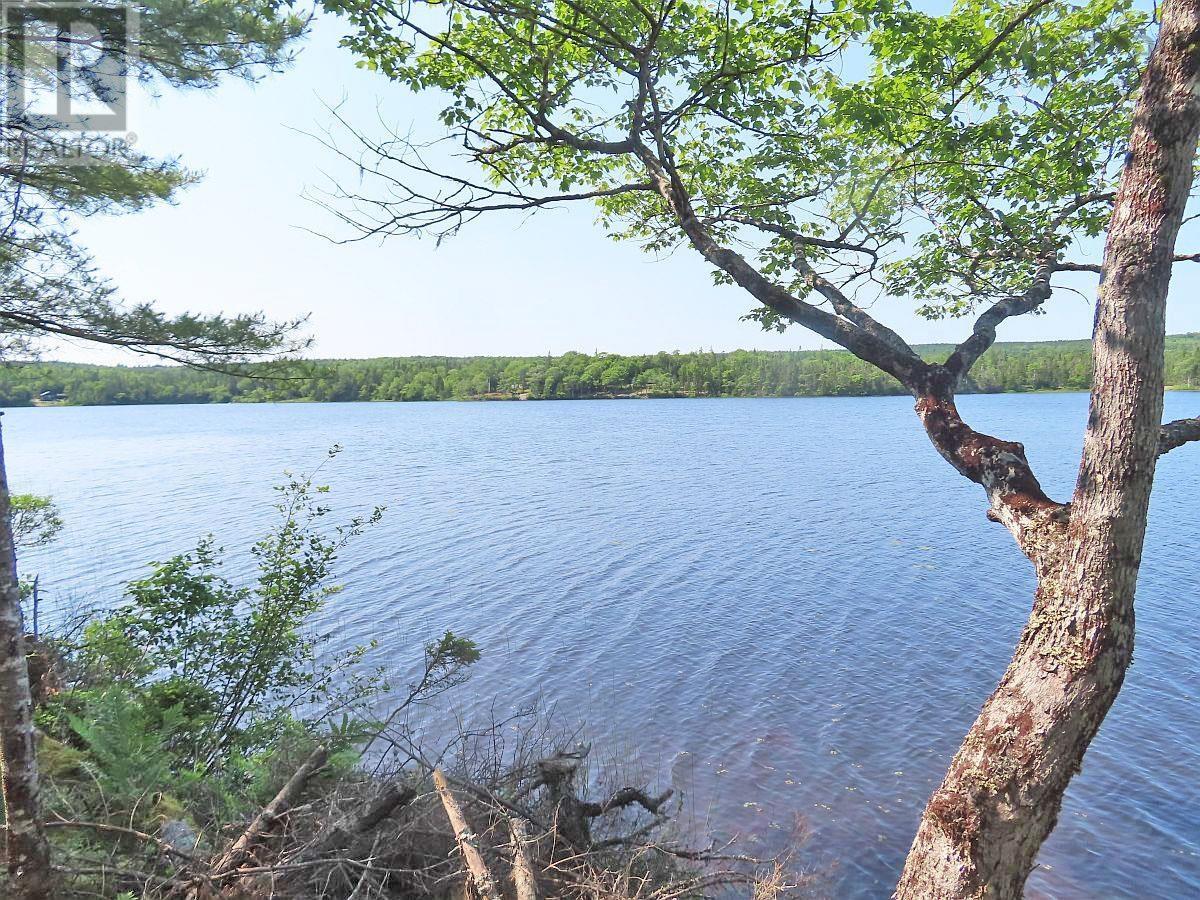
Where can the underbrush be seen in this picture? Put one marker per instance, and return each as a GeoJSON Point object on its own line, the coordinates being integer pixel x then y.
{"type": "Point", "coordinates": [198, 741]}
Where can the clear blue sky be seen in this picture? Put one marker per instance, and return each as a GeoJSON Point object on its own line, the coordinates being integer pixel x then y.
{"type": "Point", "coordinates": [504, 285]}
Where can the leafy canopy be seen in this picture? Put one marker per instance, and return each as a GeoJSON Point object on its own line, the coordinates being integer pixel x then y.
{"type": "Point", "coordinates": [850, 149]}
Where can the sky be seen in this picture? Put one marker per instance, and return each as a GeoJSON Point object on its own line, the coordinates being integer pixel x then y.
{"type": "Point", "coordinates": [243, 240]}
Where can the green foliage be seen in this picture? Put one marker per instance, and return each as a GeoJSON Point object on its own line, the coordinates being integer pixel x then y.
{"type": "Point", "coordinates": [1059, 365]}
{"type": "Point", "coordinates": [36, 521]}
{"type": "Point", "coordinates": [194, 698]}
{"type": "Point", "coordinates": [127, 745]}
{"type": "Point", "coordinates": [941, 159]}
{"type": "Point", "coordinates": [996, 169]}
{"type": "Point", "coordinates": [226, 667]}
{"type": "Point", "coordinates": [446, 662]}
{"type": "Point", "coordinates": [48, 283]}
{"type": "Point", "coordinates": [196, 691]}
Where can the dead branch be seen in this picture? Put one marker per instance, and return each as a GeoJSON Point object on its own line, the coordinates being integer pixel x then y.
{"type": "Point", "coordinates": [524, 880]}
{"type": "Point", "coordinates": [367, 836]}
{"type": "Point", "coordinates": [343, 834]}
{"type": "Point", "coordinates": [240, 850]}
{"type": "Point", "coordinates": [627, 796]}
{"type": "Point", "coordinates": [482, 878]}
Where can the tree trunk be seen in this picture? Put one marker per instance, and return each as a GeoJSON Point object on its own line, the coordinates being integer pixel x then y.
{"type": "Point", "coordinates": [26, 851]}
{"type": "Point", "coordinates": [981, 831]}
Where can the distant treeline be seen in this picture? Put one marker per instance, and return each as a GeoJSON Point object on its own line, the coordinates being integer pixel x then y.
{"type": "Point", "coordinates": [1058, 365]}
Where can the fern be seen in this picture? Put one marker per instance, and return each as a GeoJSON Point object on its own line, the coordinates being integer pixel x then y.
{"type": "Point", "coordinates": [127, 755]}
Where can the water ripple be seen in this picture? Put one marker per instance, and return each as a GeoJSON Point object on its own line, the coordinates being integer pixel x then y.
{"type": "Point", "coordinates": [788, 606]}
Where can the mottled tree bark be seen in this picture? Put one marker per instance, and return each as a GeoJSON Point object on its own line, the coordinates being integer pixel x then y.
{"type": "Point", "coordinates": [982, 829]}
{"type": "Point", "coordinates": [27, 853]}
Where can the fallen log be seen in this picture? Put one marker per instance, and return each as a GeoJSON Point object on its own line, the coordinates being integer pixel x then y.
{"type": "Point", "coordinates": [524, 879]}
{"type": "Point", "coordinates": [240, 850]}
{"type": "Point", "coordinates": [481, 877]}
{"type": "Point", "coordinates": [235, 856]}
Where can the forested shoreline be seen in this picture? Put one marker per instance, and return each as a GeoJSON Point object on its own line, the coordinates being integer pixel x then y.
{"type": "Point", "coordinates": [1006, 367]}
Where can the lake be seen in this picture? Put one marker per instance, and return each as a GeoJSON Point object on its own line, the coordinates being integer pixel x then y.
{"type": "Point", "coordinates": [792, 607]}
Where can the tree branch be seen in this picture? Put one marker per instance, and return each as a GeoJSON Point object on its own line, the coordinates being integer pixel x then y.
{"type": "Point", "coordinates": [994, 44]}
{"type": "Point", "coordinates": [1096, 268]}
{"type": "Point", "coordinates": [198, 353]}
{"type": "Point", "coordinates": [1177, 433]}
{"type": "Point", "coordinates": [903, 365]}
{"type": "Point", "coordinates": [983, 334]}
{"type": "Point", "coordinates": [847, 309]}
{"type": "Point", "coordinates": [627, 797]}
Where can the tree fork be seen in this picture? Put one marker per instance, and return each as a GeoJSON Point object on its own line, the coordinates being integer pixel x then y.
{"type": "Point", "coordinates": [1014, 493]}
{"type": "Point", "coordinates": [982, 829]}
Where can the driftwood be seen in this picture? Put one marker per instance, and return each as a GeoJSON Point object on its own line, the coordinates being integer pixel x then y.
{"type": "Point", "coordinates": [574, 816]}
{"type": "Point", "coordinates": [468, 842]}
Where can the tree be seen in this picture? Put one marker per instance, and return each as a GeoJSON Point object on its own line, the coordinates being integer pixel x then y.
{"type": "Point", "coordinates": [979, 148]}
{"type": "Point", "coordinates": [36, 521]}
{"type": "Point", "coordinates": [27, 854]}
{"type": "Point", "coordinates": [48, 283]}
{"type": "Point", "coordinates": [49, 286]}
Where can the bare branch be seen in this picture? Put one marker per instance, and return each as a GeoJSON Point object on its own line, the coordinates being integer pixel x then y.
{"type": "Point", "coordinates": [1177, 433]}
{"type": "Point", "coordinates": [627, 796]}
{"type": "Point", "coordinates": [423, 197]}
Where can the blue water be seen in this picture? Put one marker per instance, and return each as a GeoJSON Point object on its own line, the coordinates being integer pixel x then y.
{"type": "Point", "coordinates": [793, 607]}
